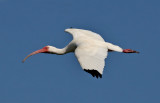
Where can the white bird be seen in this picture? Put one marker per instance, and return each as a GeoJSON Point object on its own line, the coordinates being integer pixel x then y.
{"type": "Point", "coordinates": [90, 50]}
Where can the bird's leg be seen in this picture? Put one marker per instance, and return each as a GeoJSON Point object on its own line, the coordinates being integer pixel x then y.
{"type": "Point", "coordinates": [129, 51]}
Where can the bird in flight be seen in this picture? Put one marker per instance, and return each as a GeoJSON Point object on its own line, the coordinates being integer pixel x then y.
{"type": "Point", "coordinates": [89, 48]}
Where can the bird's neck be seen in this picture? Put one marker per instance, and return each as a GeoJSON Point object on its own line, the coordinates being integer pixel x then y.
{"type": "Point", "coordinates": [57, 51]}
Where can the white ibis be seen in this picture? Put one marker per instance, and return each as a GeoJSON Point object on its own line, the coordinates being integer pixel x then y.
{"type": "Point", "coordinates": [90, 50]}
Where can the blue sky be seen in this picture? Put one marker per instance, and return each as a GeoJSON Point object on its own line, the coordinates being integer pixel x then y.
{"type": "Point", "coordinates": [28, 25]}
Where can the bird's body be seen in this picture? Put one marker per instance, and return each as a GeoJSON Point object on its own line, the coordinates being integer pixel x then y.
{"type": "Point", "coordinates": [90, 50]}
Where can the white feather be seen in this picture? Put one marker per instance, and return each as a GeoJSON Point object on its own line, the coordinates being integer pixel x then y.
{"type": "Point", "coordinates": [91, 57]}
{"type": "Point", "coordinates": [91, 49]}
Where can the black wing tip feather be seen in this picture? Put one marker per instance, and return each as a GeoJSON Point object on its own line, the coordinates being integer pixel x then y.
{"type": "Point", "coordinates": [94, 73]}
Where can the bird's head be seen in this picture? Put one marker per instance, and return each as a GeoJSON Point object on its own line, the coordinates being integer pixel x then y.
{"type": "Point", "coordinates": [129, 51]}
{"type": "Point", "coordinates": [45, 49]}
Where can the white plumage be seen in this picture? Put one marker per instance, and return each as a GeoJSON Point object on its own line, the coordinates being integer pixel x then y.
{"type": "Point", "coordinates": [90, 50]}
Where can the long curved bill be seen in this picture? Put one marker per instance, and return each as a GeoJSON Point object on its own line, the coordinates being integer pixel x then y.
{"type": "Point", "coordinates": [43, 50]}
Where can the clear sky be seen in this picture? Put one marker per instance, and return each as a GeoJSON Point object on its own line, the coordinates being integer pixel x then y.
{"type": "Point", "coordinates": [28, 25]}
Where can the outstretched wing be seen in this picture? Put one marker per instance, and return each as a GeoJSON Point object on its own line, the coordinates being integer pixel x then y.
{"type": "Point", "coordinates": [92, 59]}
{"type": "Point", "coordinates": [78, 33]}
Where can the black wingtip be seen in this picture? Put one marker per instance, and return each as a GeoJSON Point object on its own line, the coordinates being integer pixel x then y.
{"type": "Point", "coordinates": [94, 73]}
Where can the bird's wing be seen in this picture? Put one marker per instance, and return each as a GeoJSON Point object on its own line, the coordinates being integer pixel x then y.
{"type": "Point", "coordinates": [78, 33]}
{"type": "Point", "coordinates": [92, 58]}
